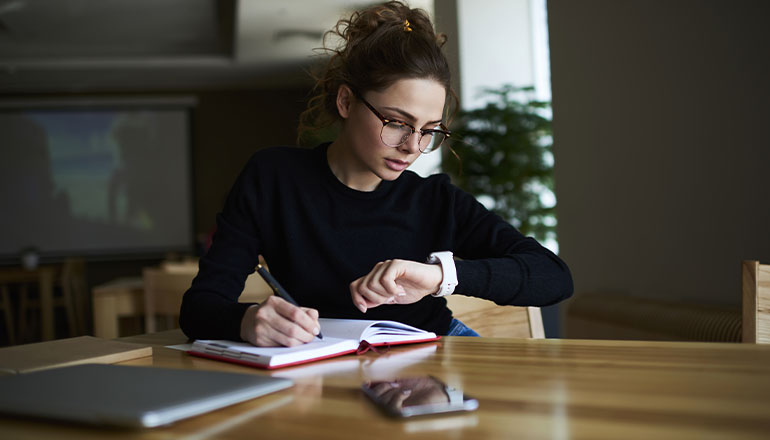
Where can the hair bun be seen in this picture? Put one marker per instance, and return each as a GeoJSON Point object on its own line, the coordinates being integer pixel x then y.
{"type": "Point", "coordinates": [377, 46]}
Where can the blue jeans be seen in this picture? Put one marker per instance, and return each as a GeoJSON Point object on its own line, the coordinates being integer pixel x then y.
{"type": "Point", "coordinates": [457, 328]}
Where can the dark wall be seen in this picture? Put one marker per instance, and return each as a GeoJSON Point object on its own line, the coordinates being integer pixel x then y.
{"type": "Point", "coordinates": [661, 144]}
{"type": "Point", "coordinates": [228, 127]}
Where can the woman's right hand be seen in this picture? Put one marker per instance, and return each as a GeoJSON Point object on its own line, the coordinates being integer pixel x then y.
{"type": "Point", "coordinates": [276, 322]}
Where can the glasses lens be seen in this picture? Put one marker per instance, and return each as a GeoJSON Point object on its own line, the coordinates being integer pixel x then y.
{"type": "Point", "coordinates": [431, 140]}
{"type": "Point", "coordinates": [394, 134]}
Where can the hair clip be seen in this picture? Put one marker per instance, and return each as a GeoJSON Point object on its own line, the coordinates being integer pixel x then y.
{"type": "Point", "coordinates": [407, 28]}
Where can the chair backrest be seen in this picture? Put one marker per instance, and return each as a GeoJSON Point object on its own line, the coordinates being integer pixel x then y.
{"type": "Point", "coordinates": [756, 302]}
{"type": "Point", "coordinates": [75, 289]}
{"type": "Point", "coordinates": [255, 289]}
{"type": "Point", "coordinates": [164, 287]}
{"type": "Point", "coordinates": [163, 293]}
{"type": "Point", "coordinates": [490, 320]}
{"type": "Point", "coordinates": [619, 316]}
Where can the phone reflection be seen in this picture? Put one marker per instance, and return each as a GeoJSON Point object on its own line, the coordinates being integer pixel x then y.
{"type": "Point", "coordinates": [410, 396]}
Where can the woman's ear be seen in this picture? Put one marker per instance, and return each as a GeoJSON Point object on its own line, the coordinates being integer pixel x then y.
{"type": "Point", "coordinates": [344, 100]}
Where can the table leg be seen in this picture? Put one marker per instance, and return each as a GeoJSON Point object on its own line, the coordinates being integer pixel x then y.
{"type": "Point", "coordinates": [5, 298]}
{"type": "Point", "coordinates": [105, 316]}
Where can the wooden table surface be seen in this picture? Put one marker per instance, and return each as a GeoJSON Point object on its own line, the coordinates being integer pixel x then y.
{"type": "Point", "coordinates": [526, 388]}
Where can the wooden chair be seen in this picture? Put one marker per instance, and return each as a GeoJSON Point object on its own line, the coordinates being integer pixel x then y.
{"type": "Point", "coordinates": [70, 293]}
{"type": "Point", "coordinates": [164, 287]}
{"type": "Point", "coordinates": [489, 319]}
{"type": "Point", "coordinates": [75, 292]}
{"type": "Point", "coordinates": [756, 302]}
{"type": "Point", "coordinates": [163, 293]}
{"type": "Point", "coordinates": [255, 289]}
{"type": "Point", "coordinates": [6, 305]}
{"type": "Point", "coordinates": [115, 303]}
{"type": "Point", "coordinates": [613, 315]}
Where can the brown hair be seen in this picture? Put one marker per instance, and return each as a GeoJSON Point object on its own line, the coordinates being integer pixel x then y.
{"type": "Point", "coordinates": [380, 45]}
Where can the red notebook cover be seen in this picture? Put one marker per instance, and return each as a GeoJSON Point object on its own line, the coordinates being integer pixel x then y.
{"type": "Point", "coordinates": [342, 336]}
{"type": "Point", "coordinates": [362, 348]}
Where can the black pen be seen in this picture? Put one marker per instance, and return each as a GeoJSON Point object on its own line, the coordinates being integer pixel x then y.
{"type": "Point", "coordinates": [278, 289]}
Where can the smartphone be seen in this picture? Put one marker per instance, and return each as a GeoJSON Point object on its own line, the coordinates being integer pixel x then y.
{"type": "Point", "coordinates": [417, 396]}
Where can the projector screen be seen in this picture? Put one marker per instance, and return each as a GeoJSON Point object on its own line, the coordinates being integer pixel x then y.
{"type": "Point", "coordinates": [95, 180]}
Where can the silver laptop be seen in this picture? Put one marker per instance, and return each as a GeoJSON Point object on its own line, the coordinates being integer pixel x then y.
{"type": "Point", "coordinates": [128, 396]}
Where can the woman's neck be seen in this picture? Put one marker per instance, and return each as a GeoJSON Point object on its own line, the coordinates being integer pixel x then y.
{"type": "Point", "coordinates": [348, 168]}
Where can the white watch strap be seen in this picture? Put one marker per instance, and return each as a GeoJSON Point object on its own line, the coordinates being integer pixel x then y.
{"type": "Point", "coordinates": [449, 281]}
{"type": "Point", "coordinates": [455, 395]}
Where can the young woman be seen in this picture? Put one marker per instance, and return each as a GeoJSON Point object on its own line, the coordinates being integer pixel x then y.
{"type": "Point", "coordinates": [345, 227]}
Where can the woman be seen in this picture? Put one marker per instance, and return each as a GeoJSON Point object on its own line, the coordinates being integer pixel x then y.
{"type": "Point", "coordinates": [345, 227]}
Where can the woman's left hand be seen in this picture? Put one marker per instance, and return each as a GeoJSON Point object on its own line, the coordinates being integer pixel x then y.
{"type": "Point", "coordinates": [395, 282]}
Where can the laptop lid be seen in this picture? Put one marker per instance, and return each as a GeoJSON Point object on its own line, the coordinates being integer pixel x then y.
{"type": "Point", "coordinates": [119, 395]}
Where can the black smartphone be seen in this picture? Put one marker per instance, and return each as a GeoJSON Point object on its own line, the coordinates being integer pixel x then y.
{"type": "Point", "coordinates": [417, 396]}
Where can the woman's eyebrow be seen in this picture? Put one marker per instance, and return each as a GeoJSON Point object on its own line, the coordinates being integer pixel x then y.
{"type": "Point", "coordinates": [408, 115]}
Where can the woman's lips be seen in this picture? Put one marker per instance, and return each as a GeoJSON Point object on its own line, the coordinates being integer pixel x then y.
{"type": "Point", "coordinates": [396, 165]}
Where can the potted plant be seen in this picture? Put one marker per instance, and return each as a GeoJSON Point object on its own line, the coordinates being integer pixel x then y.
{"type": "Point", "coordinates": [503, 157]}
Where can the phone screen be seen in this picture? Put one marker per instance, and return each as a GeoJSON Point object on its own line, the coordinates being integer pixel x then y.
{"type": "Point", "coordinates": [414, 396]}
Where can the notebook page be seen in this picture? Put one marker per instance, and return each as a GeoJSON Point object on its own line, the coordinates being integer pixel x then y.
{"type": "Point", "coordinates": [372, 331]}
{"type": "Point", "coordinates": [344, 328]}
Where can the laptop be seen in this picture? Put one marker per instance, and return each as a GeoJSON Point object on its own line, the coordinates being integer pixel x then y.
{"type": "Point", "coordinates": [115, 395]}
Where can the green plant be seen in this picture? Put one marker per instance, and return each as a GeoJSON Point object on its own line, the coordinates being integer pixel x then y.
{"type": "Point", "coordinates": [504, 152]}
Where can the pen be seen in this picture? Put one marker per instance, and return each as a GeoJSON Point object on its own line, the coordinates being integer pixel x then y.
{"type": "Point", "coordinates": [278, 289]}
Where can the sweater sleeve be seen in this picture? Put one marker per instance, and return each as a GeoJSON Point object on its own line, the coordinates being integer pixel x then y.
{"type": "Point", "coordinates": [500, 264]}
{"type": "Point", "coordinates": [210, 308]}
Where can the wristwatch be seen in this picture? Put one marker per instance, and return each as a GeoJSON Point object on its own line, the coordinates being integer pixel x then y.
{"type": "Point", "coordinates": [449, 282]}
{"type": "Point", "coordinates": [455, 396]}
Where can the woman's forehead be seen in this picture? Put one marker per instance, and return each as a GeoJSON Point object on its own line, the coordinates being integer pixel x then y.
{"type": "Point", "coordinates": [422, 99]}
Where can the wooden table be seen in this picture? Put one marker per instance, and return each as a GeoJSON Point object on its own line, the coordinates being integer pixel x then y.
{"type": "Point", "coordinates": [526, 388]}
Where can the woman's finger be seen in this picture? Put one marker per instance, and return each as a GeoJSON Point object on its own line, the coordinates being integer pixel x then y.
{"type": "Point", "coordinates": [283, 323]}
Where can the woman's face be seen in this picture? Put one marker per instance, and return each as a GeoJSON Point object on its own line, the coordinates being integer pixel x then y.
{"type": "Point", "coordinates": [418, 102]}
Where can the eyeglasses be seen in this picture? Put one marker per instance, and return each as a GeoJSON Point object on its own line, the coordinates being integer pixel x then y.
{"type": "Point", "coordinates": [395, 133]}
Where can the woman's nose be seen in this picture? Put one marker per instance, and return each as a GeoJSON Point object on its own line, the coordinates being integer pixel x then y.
{"type": "Point", "coordinates": [412, 144]}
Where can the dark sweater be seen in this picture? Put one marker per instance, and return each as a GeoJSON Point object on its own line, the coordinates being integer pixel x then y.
{"type": "Point", "coordinates": [318, 235]}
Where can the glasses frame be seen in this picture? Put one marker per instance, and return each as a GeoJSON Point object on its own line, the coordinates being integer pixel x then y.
{"type": "Point", "coordinates": [385, 121]}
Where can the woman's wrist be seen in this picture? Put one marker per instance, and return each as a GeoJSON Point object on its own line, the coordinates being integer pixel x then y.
{"type": "Point", "coordinates": [437, 274]}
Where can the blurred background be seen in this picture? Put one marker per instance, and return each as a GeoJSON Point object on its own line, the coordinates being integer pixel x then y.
{"type": "Point", "coordinates": [123, 125]}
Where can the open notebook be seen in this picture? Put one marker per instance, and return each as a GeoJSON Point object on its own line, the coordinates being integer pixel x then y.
{"type": "Point", "coordinates": [341, 336]}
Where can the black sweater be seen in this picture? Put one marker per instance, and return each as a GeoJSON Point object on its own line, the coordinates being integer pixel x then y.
{"type": "Point", "coordinates": [318, 235]}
